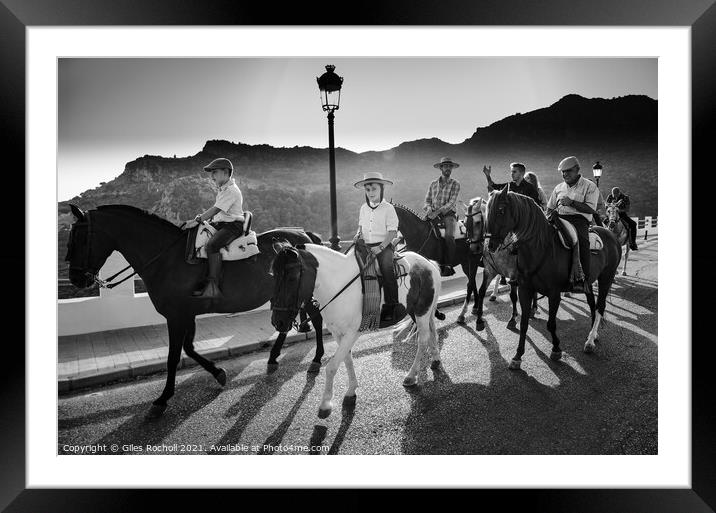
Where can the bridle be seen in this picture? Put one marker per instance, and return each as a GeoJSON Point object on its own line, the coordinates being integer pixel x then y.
{"type": "Point", "coordinates": [85, 269]}
{"type": "Point", "coordinates": [292, 309]}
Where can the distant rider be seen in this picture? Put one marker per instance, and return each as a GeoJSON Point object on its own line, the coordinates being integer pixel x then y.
{"type": "Point", "coordinates": [622, 202]}
{"type": "Point", "coordinates": [440, 202]}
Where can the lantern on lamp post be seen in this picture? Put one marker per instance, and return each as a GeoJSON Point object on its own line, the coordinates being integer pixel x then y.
{"type": "Point", "coordinates": [597, 170]}
{"type": "Point", "coordinates": [329, 85]}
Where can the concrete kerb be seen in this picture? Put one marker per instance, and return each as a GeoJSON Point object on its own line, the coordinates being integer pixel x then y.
{"type": "Point", "coordinates": [158, 365]}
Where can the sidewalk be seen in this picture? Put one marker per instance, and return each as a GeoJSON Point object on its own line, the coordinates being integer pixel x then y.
{"type": "Point", "coordinates": [97, 358]}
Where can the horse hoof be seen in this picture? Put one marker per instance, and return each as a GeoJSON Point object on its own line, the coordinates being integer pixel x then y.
{"type": "Point", "coordinates": [555, 356]}
{"type": "Point", "coordinates": [439, 316]}
{"type": "Point", "coordinates": [588, 348]}
{"type": "Point", "coordinates": [271, 368]}
{"type": "Point", "coordinates": [533, 314]}
{"type": "Point", "coordinates": [221, 377]}
{"type": "Point", "coordinates": [460, 319]}
{"type": "Point", "coordinates": [410, 382]}
{"type": "Point", "coordinates": [515, 364]}
{"type": "Point", "coordinates": [493, 298]}
{"type": "Point", "coordinates": [435, 364]}
{"type": "Point", "coordinates": [314, 368]}
{"type": "Point", "coordinates": [623, 273]}
{"type": "Point", "coordinates": [512, 324]}
{"type": "Point", "coordinates": [303, 329]}
{"type": "Point", "coordinates": [324, 413]}
{"type": "Point", "coordinates": [480, 325]}
{"type": "Point", "coordinates": [567, 294]}
{"type": "Point", "coordinates": [349, 401]}
{"type": "Point", "coordinates": [156, 411]}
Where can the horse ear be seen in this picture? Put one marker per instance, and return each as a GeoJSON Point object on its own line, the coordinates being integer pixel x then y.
{"type": "Point", "coordinates": [77, 212]}
{"type": "Point", "coordinates": [277, 246]}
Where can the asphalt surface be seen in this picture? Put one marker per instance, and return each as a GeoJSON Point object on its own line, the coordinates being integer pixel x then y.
{"type": "Point", "coordinates": [601, 403]}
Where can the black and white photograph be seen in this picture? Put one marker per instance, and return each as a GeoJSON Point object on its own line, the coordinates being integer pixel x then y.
{"type": "Point", "coordinates": [358, 256]}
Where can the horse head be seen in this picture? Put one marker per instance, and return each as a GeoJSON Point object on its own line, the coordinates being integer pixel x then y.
{"type": "Point", "coordinates": [612, 213]}
{"type": "Point", "coordinates": [500, 218]}
{"type": "Point", "coordinates": [87, 250]}
{"type": "Point", "coordinates": [294, 273]}
{"type": "Point", "coordinates": [475, 223]}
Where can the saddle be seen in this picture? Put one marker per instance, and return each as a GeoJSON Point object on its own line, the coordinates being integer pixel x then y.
{"type": "Point", "coordinates": [371, 284]}
{"type": "Point", "coordinates": [240, 248]}
{"type": "Point", "coordinates": [439, 227]}
{"type": "Point", "coordinates": [595, 241]}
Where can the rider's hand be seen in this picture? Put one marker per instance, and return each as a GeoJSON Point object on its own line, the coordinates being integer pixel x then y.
{"type": "Point", "coordinates": [566, 201]}
{"type": "Point", "coordinates": [376, 250]}
{"type": "Point", "coordinates": [191, 223]}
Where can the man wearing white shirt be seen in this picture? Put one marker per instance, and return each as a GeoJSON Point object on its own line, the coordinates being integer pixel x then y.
{"type": "Point", "coordinates": [575, 200]}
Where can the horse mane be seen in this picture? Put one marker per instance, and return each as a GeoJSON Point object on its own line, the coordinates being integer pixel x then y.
{"type": "Point", "coordinates": [409, 210]}
{"type": "Point", "coordinates": [533, 224]}
{"type": "Point", "coordinates": [144, 214]}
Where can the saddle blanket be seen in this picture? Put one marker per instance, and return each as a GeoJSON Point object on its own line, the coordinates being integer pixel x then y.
{"type": "Point", "coordinates": [371, 283]}
{"type": "Point", "coordinates": [595, 241]}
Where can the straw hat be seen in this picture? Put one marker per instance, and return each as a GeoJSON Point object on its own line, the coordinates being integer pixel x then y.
{"type": "Point", "coordinates": [372, 177]}
{"type": "Point", "coordinates": [446, 160]}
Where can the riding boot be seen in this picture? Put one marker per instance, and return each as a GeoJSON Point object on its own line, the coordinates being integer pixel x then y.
{"type": "Point", "coordinates": [212, 290]}
{"type": "Point", "coordinates": [391, 314]}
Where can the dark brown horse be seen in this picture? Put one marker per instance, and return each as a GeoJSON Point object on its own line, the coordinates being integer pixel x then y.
{"type": "Point", "coordinates": [155, 248]}
{"type": "Point", "coordinates": [543, 264]}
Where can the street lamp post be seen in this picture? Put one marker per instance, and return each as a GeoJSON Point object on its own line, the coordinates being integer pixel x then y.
{"type": "Point", "coordinates": [597, 170]}
{"type": "Point", "coordinates": [329, 85]}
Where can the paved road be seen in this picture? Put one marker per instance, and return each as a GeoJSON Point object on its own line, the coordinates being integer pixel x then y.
{"type": "Point", "coordinates": [602, 403]}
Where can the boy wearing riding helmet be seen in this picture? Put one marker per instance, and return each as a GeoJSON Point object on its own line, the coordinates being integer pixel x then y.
{"type": "Point", "coordinates": [227, 216]}
{"type": "Point", "coordinates": [377, 227]}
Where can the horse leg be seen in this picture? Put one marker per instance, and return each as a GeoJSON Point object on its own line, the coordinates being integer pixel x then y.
{"type": "Point", "coordinates": [596, 318]}
{"type": "Point", "coordinates": [434, 347]}
{"type": "Point", "coordinates": [604, 285]}
{"type": "Point", "coordinates": [313, 312]}
{"type": "Point", "coordinates": [479, 302]}
{"type": "Point", "coordinates": [218, 373]}
{"type": "Point", "coordinates": [512, 323]}
{"type": "Point", "coordinates": [554, 301]}
{"type": "Point", "coordinates": [472, 279]}
{"type": "Point", "coordinates": [272, 364]}
{"type": "Point", "coordinates": [423, 327]}
{"type": "Point", "coordinates": [533, 312]}
{"type": "Point", "coordinates": [350, 397]}
{"type": "Point", "coordinates": [626, 257]}
{"type": "Point", "coordinates": [345, 343]}
{"type": "Point", "coordinates": [470, 291]}
{"type": "Point", "coordinates": [525, 303]}
{"type": "Point", "coordinates": [176, 338]}
{"type": "Point", "coordinates": [496, 288]}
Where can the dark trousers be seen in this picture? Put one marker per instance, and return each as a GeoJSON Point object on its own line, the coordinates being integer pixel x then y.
{"type": "Point", "coordinates": [632, 225]}
{"type": "Point", "coordinates": [225, 233]}
{"type": "Point", "coordinates": [449, 220]}
{"type": "Point", "coordinates": [582, 226]}
{"type": "Point", "coordinates": [390, 284]}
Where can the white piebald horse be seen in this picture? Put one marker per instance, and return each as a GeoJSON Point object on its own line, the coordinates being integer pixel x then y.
{"type": "Point", "coordinates": [620, 231]}
{"type": "Point", "coordinates": [316, 271]}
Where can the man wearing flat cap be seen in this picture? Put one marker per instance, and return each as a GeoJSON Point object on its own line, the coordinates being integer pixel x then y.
{"type": "Point", "coordinates": [440, 203]}
{"type": "Point", "coordinates": [575, 199]}
{"type": "Point", "coordinates": [227, 216]}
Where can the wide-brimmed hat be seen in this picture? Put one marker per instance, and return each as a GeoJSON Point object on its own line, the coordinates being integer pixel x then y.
{"type": "Point", "coordinates": [446, 160]}
{"type": "Point", "coordinates": [220, 163]}
{"type": "Point", "coordinates": [372, 177]}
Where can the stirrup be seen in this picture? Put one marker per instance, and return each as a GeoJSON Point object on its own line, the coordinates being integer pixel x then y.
{"type": "Point", "coordinates": [211, 291]}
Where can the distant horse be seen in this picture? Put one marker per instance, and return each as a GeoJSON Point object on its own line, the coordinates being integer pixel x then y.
{"type": "Point", "coordinates": [620, 230]}
{"type": "Point", "coordinates": [420, 237]}
{"type": "Point", "coordinates": [543, 264]}
{"type": "Point", "coordinates": [320, 272]}
{"type": "Point", "coordinates": [155, 249]}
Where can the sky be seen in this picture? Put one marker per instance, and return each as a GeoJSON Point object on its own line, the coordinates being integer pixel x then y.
{"type": "Point", "coordinates": [112, 111]}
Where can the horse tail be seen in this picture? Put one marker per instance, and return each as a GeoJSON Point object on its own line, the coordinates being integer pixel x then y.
{"type": "Point", "coordinates": [421, 293]}
{"type": "Point", "coordinates": [315, 238]}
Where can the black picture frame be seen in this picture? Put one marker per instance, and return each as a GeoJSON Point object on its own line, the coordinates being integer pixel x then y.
{"type": "Point", "coordinates": [700, 15]}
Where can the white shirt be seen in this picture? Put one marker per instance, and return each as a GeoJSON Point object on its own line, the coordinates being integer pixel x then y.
{"type": "Point", "coordinates": [230, 201]}
{"type": "Point", "coordinates": [375, 223]}
{"type": "Point", "coordinates": [583, 191]}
